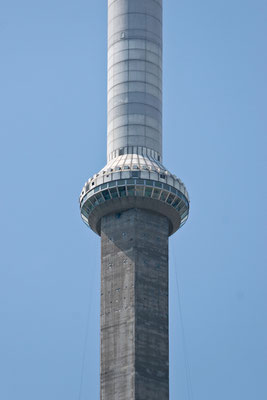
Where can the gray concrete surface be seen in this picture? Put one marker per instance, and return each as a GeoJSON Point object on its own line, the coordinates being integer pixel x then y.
{"type": "Point", "coordinates": [134, 306]}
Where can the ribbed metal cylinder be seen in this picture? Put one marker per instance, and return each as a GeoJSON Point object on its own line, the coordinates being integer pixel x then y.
{"type": "Point", "coordinates": [134, 78]}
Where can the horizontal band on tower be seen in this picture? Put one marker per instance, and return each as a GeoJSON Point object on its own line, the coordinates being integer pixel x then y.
{"type": "Point", "coordinates": [142, 151]}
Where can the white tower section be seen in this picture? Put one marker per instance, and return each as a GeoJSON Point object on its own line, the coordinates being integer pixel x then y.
{"type": "Point", "coordinates": [134, 78]}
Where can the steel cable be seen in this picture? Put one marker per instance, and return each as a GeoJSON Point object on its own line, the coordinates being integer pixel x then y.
{"type": "Point", "coordinates": [184, 345]}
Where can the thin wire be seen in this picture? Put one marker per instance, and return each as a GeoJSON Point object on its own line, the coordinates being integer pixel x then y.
{"type": "Point", "coordinates": [84, 350]}
{"type": "Point", "coordinates": [186, 361]}
{"type": "Point", "coordinates": [86, 339]}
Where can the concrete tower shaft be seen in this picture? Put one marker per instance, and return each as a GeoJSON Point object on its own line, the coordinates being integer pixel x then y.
{"type": "Point", "coordinates": [134, 78]}
{"type": "Point", "coordinates": [134, 306]}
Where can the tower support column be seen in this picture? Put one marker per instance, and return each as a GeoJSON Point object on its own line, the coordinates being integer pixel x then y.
{"type": "Point", "coordinates": [134, 306]}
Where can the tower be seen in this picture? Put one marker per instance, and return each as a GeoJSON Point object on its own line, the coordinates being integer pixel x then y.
{"type": "Point", "coordinates": [134, 204]}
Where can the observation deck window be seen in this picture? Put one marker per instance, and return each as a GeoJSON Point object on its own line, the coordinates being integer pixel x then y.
{"type": "Point", "coordinates": [94, 201]}
{"type": "Point", "coordinates": [100, 198]}
{"type": "Point", "coordinates": [170, 198]}
{"type": "Point", "coordinates": [106, 194]}
{"type": "Point", "coordinates": [122, 191]}
{"type": "Point", "coordinates": [114, 193]}
{"type": "Point", "coordinates": [176, 202]}
{"type": "Point", "coordinates": [139, 190]}
{"type": "Point", "coordinates": [156, 194]}
{"type": "Point", "coordinates": [184, 214]}
{"type": "Point", "coordinates": [148, 191]}
{"type": "Point", "coordinates": [163, 196]}
{"type": "Point", "coordinates": [131, 190]}
{"type": "Point", "coordinates": [140, 182]}
{"type": "Point", "coordinates": [149, 183]}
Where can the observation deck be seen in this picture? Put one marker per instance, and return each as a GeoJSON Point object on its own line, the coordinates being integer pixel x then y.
{"type": "Point", "coordinates": [134, 181]}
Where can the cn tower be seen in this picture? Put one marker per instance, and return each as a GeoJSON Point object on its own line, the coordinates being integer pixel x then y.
{"type": "Point", "coordinates": [134, 204]}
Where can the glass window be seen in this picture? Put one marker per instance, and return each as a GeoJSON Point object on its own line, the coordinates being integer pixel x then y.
{"type": "Point", "coordinates": [96, 189]}
{"type": "Point", "coordinates": [170, 198]}
{"type": "Point", "coordinates": [86, 209]}
{"type": "Point", "coordinates": [94, 201]}
{"type": "Point", "coordinates": [179, 206]}
{"type": "Point", "coordinates": [176, 202]}
{"type": "Point", "coordinates": [99, 198]}
{"type": "Point", "coordinates": [140, 182]}
{"type": "Point", "coordinates": [130, 181]}
{"type": "Point", "coordinates": [156, 194]}
{"type": "Point", "coordinates": [167, 187]}
{"type": "Point", "coordinates": [121, 182]}
{"type": "Point", "coordinates": [85, 213]}
{"type": "Point", "coordinates": [114, 193]}
{"type": "Point", "coordinates": [179, 195]}
{"type": "Point", "coordinates": [106, 194]}
{"type": "Point", "coordinates": [139, 190]}
{"type": "Point", "coordinates": [122, 191]}
{"type": "Point", "coordinates": [130, 190]}
{"type": "Point", "coordinates": [112, 184]}
{"type": "Point", "coordinates": [104, 186]}
{"type": "Point", "coordinates": [158, 184]}
{"type": "Point", "coordinates": [163, 196]}
{"type": "Point", "coordinates": [90, 206]}
{"type": "Point", "coordinates": [184, 214]}
{"type": "Point", "coordinates": [149, 183]}
{"type": "Point", "coordinates": [135, 174]}
{"type": "Point", "coordinates": [148, 192]}
{"type": "Point", "coordinates": [183, 209]}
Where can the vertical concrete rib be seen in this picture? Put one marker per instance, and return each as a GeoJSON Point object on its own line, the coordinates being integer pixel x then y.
{"type": "Point", "coordinates": [134, 306]}
{"type": "Point", "coordinates": [134, 77]}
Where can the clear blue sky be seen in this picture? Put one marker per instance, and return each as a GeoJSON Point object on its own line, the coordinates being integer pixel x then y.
{"type": "Point", "coordinates": [53, 137]}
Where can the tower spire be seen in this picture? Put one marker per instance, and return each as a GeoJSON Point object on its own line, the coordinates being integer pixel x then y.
{"type": "Point", "coordinates": [134, 78]}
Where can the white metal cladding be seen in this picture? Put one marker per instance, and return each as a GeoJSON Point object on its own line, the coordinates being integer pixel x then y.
{"type": "Point", "coordinates": [146, 167]}
{"type": "Point", "coordinates": [134, 76]}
